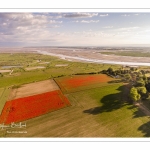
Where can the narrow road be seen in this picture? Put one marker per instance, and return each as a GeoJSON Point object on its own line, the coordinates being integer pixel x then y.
{"type": "Point", "coordinates": [11, 72]}
{"type": "Point", "coordinates": [144, 109]}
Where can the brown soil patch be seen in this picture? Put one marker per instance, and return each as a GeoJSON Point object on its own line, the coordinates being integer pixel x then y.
{"type": "Point", "coordinates": [32, 68]}
{"type": "Point", "coordinates": [44, 63]}
{"type": "Point", "coordinates": [33, 89]}
{"type": "Point", "coordinates": [3, 71]}
{"type": "Point", "coordinates": [61, 65]}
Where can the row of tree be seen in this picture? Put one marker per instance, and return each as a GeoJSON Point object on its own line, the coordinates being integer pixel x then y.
{"type": "Point", "coordinates": [140, 83]}
{"type": "Point", "coordinates": [140, 89]}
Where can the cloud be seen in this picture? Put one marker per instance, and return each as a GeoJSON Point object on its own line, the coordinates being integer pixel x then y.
{"type": "Point", "coordinates": [128, 28]}
{"type": "Point", "coordinates": [28, 27]}
{"type": "Point", "coordinates": [90, 21]}
{"type": "Point", "coordinates": [136, 14]}
{"type": "Point", "coordinates": [108, 27]}
{"type": "Point", "coordinates": [125, 15]}
{"type": "Point", "coordinates": [79, 15]}
{"type": "Point", "coordinates": [25, 21]}
{"type": "Point", "coordinates": [103, 15]}
{"type": "Point", "coordinates": [86, 21]}
{"type": "Point", "coordinates": [54, 21]}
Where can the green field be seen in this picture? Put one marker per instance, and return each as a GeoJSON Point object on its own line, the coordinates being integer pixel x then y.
{"type": "Point", "coordinates": [128, 53]}
{"type": "Point", "coordinates": [4, 92]}
{"type": "Point", "coordinates": [21, 76]}
{"type": "Point", "coordinates": [97, 112]}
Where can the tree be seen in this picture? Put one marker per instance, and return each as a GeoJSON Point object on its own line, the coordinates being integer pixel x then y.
{"type": "Point", "coordinates": [141, 90]}
{"type": "Point", "coordinates": [148, 86]}
{"type": "Point", "coordinates": [127, 77]}
{"type": "Point", "coordinates": [140, 83]}
{"type": "Point", "coordinates": [110, 70]}
{"type": "Point", "coordinates": [134, 95]}
{"type": "Point", "coordinates": [133, 69]}
{"type": "Point", "coordinates": [145, 78]}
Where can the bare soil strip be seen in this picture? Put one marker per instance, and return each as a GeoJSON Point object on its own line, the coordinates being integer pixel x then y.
{"type": "Point", "coordinates": [33, 89]}
{"type": "Point", "coordinates": [32, 68]}
{"type": "Point", "coordinates": [3, 71]}
{"type": "Point", "coordinates": [61, 65]}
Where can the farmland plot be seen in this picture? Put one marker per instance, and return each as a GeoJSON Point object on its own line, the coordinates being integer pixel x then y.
{"type": "Point", "coordinates": [33, 89]}
{"type": "Point", "coordinates": [32, 106]}
{"type": "Point", "coordinates": [80, 82]}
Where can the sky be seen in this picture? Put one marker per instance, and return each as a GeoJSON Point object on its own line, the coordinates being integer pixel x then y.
{"type": "Point", "coordinates": [74, 29]}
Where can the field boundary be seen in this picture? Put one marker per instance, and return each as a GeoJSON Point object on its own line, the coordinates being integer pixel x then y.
{"type": "Point", "coordinates": [60, 86]}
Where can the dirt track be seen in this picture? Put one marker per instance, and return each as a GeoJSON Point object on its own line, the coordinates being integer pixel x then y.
{"type": "Point", "coordinates": [144, 109]}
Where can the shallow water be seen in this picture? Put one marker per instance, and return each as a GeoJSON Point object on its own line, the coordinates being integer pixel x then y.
{"type": "Point", "coordinates": [5, 67]}
{"type": "Point", "coordinates": [95, 60]}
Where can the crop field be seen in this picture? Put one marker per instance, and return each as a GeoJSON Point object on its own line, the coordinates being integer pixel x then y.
{"type": "Point", "coordinates": [98, 112]}
{"type": "Point", "coordinates": [93, 105]}
{"type": "Point", "coordinates": [29, 107]}
{"type": "Point", "coordinates": [33, 89]}
{"type": "Point", "coordinates": [80, 82]}
{"type": "Point", "coordinates": [21, 76]}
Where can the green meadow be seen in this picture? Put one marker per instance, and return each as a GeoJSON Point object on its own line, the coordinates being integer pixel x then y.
{"type": "Point", "coordinates": [21, 75]}
{"type": "Point", "coordinates": [101, 110]}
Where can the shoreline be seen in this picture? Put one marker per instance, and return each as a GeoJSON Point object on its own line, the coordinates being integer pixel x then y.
{"type": "Point", "coordinates": [101, 61]}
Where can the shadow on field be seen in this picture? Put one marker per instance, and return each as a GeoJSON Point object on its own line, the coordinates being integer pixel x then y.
{"type": "Point", "coordinates": [138, 113]}
{"type": "Point", "coordinates": [110, 102]}
{"type": "Point", "coordinates": [113, 102]}
{"type": "Point", "coordinates": [115, 81]}
{"type": "Point", "coordinates": [145, 128]}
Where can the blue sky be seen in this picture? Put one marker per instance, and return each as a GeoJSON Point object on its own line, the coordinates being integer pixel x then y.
{"type": "Point", "coordinates": [74, 29]}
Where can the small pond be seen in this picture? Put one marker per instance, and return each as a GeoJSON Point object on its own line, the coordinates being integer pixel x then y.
{"type": "Point", "coordinates": [6, 67]}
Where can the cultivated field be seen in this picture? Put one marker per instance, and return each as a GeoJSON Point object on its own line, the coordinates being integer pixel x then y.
{"type": "Point", "coordinates": [82, 82]}
{"type": "Point", "coordinates": [25, 108]}
{"type": "Point", "coordinates": [33, 89]}
{"type": "Point", "coordinates": [98, 112]}
{"type": "Point", "coordinates": [98, 104]}
{"type": "Point", "coordinates": [20, 76]}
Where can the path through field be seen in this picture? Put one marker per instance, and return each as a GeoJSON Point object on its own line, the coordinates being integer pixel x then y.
{"type": "Point", "coordinates": [143, 108]}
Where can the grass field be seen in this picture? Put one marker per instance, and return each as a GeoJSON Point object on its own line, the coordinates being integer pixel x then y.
{"type": "Point", "coordinates": [4, 93]}
{"type": "Point", "coordinates": [21, 76]}
{"type": "Point", "coordinates": [128, 53]}
{"type": "Point", "coordinates": [97, 112]}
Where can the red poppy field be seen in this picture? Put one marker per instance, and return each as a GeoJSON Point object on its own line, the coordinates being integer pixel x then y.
{"type": "Point", "coordinates": [32, 106]}
{"type": "Point", "coordinates": [67, 83]}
